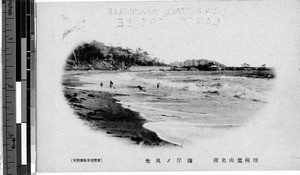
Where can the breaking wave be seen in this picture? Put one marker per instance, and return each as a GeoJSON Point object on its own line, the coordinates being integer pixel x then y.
{"type": "Point", "coordinates": [235, 87]}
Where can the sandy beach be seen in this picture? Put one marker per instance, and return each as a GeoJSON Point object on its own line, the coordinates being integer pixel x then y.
{"type": "Point", "coordinates": [101, 111]}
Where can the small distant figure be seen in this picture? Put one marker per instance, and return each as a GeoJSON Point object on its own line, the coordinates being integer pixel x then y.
{"type": "Point", "coordinates": [157, 85]}
{"type": "Point", "coordinates": [141, 88]}
{"type": "Point", "coordinates": [111, 84]}
{"type": "Point", "coordinates": [101, 84]}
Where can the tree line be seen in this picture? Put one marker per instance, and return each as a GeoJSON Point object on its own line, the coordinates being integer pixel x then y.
{"type": "Point", "coordinates": [96, 55]}
{"type": "Point", "coordinates": [199, 64]}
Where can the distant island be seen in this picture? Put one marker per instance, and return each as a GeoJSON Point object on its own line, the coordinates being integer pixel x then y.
{"type": "Point", "coordinates": [214, 67]}
{"type": "Point", "coordinates": [98, 56]}
{"type": "Point", "coordinates": [200, 64]}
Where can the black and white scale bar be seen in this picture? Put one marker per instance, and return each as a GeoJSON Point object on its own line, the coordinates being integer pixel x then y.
{"type": "Point", "coordinates": [19, 88]}
{"type": "Point", "coordinates": [25, 16]}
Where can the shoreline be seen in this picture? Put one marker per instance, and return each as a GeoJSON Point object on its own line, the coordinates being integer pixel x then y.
{"type": "Point", "coordinates": [102, 111]}
{"type": "Point", "coordinates": [260, 74]}
{"type": "Point", "coordinates": [124, 112]}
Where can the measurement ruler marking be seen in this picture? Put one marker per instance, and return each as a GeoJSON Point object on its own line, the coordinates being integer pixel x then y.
{"type": "Point", "coordinates": [6, 126]}
{"type": "Point", "coordinates": [17, 29]}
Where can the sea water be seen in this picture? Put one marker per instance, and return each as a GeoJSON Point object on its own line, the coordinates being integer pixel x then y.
{"type": "Point", "coordinates": [187, 105]}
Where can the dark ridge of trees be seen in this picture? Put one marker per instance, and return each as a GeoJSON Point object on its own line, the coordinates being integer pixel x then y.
{"type": "Point", "coordinates": [98, 56]}
{"type": "Point", "coordinates": [200, 64]}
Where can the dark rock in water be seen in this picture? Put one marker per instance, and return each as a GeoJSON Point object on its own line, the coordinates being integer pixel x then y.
{"type": "Point", "coordinates": [136, 139]}
{"type": "Point", "coordinates": [68, 96]}
{"type": "Point", "coordinates": [91, 95]}
{"type": "Point", "coordinates": [78, 106]}
{"type": "Point", "coordinates": [74, 100]}
{"type": "Point", "coordinates": [82, 98]}
{"type": "Point", "coordinates": [212, 92]}
{"type": "Point", "coordinates": [90, 113]}
{"type": "Point", "coordinates": [237, 96]}
{"type": "Point", "coordinates": [256, 100]}
{"type": "Point", "coordinates": [81, 115]}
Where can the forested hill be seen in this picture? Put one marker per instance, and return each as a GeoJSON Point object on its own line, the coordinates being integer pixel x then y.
{"type": "Point", "coordinates": [98, 56]}
{"type": "Point", "coordinates": [201, 64]}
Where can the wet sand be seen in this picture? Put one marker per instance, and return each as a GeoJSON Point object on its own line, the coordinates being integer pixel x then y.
{"type": "Point", "coordinates": [101, 111]}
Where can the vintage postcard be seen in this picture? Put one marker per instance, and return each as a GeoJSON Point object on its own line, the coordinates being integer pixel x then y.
{"type": "Point", "coordinates": [156, 86]}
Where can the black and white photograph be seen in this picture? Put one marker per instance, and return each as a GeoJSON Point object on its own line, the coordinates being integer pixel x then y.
{"type": "Point", "coordinates": [152, 86]}
{"type": "Point", "coordinates": [124, 92]}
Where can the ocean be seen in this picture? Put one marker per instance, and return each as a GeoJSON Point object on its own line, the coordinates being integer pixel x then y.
{"type": "Point", "coordinates": [185, 106]}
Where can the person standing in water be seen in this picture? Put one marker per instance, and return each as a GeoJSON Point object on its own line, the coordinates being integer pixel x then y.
{"type": "Point", "coordinates": [101, 84]}
{"type": "Point", "coordinates": [111, 84]}
{"type": "Point", "coordinates": [157, 85]}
